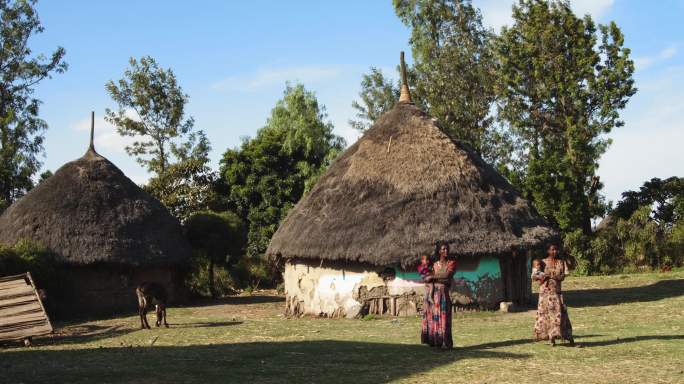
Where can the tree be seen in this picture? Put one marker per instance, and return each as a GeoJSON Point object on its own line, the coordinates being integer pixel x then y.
{"type": "Point", "coordinates": [186, 186]}
{"type": "Point", "coordinates": [21, 129]}
{"type": "Point", "coordinates": [452, 77]}
{"type": "Point", "coordinates": [561, 90]}
{"type": "Point", "coordinates": [269, 173]}
{"type": "Point", "coordinates": [665, 198]}
{"type": "Point", "coordinates": [44, 176]}
{"type": "Point", "coordinates": [218, 237]}
{"type": "Point", "coordinates": [645, 230]}
{"type": "Point", "coordinates": [378, 95]}
{"type": "Point", "coordinates": [166, 144]}
{"type": "Point", "coordinates": [453, 67]}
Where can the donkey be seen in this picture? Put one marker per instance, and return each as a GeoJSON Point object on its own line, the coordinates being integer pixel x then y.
{"type": "Point", "coordinates": [151, 293]}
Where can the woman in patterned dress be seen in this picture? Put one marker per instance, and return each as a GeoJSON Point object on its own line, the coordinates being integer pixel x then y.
{"type": "Point", "coordinates": [552, 315]}
{"type": "Point", "coordinates": [437, 308]}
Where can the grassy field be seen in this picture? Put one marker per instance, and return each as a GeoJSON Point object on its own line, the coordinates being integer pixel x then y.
{"type": "Point", "coordinates": [630, 327]}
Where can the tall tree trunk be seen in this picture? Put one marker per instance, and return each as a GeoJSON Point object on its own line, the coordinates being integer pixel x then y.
{"type": "Point", "coordinates": [212, 288]}
{"type": "Point", "coordinates": [585, 201]}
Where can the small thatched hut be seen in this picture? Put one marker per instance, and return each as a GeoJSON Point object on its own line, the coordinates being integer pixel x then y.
{"type": "Point", "coordinates": [107, 233]}
{"type": "Point", "coordinates": [352, 243]}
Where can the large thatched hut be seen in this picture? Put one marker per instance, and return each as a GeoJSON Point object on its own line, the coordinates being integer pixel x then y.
{"type": "Point", "coordinates": [107, 233]}
{"type": "Point", "coordinates": [351, 244]}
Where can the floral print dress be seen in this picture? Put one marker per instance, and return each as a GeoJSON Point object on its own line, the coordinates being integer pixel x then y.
{"type": "Point", "coordinates": [552, 320]}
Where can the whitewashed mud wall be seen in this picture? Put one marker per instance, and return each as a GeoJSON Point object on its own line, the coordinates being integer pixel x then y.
{"type": "Point", "coordinates": [335, 292]}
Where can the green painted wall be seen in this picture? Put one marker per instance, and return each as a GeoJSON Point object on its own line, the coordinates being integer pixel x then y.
{"type": "Point", "coordinates": [487, 266]}
{"type": "Point", "coordinates": [478, 284]}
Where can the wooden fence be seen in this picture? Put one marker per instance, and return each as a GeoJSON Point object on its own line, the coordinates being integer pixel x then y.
{"type": "Point", "coordinates": [22, 314]}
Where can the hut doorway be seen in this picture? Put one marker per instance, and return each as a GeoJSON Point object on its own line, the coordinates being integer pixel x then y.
{"type": "Point", "coordinates": [515, 275]}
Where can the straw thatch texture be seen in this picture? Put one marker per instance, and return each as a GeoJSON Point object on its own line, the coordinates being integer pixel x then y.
{"type": "Point", "coordinates": [398, 189]}
{"type": "Point", "coordinates": [90, 212]}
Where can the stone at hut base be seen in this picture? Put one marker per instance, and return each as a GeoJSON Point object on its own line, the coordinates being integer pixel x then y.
{"type": "Point", "coordinates": [506, 306]}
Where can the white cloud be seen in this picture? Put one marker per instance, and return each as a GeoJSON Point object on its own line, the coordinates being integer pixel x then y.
{"type": "Point", "coordinates": [644, 62]}
{"type": "Point", "coordinates": [596, 8]}
{"type": "Point", "coordinates": [497, 13]}
{"type": "Point", "coordinates": [267, 77]}
{"type": "Point", "coordinates": [106, 136]}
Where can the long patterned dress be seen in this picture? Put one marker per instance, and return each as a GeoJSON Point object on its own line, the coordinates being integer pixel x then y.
{"type": "Point", "coordinates": [437, 307]}
{"type": "Point", "coordinates": [552, 315]}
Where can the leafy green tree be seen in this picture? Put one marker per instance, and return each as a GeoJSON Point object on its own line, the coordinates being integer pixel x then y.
{"type": "Point", "coordinates": [269, 173]}
{"type": "Point", "coordinates": [33, 257]}
{"type": "Point", "coordinates": [158, 102]}
{"type": "Point", "coordinates": [21, 128]}
{"type": "Point", "coordinates": [453, 67]}
{"type": "Point", "coordinates": [645, 230]}
{"type": "Point", "coordinates": [561, 89]}
{"type": "Point", "coordinates": [44, 176]}
{"type": "Point", "coordinates": [186, 186]}
{"type": "Point", "coordinates": [675, 244]}
{"type": "Point", "coordinates": [378, 95]}
{"type": "Point", "coordinates": [218, 237]}
{"type": "Point", "coordinates": [452, 78]}
{"type": "Point", "coordinates": [665, 196]}
{"type": "Point", "coordinates": [641, 238]}
{"type": "Point", "coordinates": [166, 144]}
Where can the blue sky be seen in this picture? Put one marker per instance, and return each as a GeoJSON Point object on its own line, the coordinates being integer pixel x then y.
{"type": "Point", "coordinates": [234, 58]}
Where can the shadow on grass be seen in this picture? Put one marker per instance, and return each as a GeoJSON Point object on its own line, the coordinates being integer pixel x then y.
{"type": "Point", "coordinates": [511, 343]}
{"type": "Point", "coordinates": [236, 300]}
{"type": "Point", "coordinates": [322, 361]}
{"type": "Point", "coordinates": [603, 343]}
{"type": "Point", "coordinates": [205, 324]}
{"type": "Point", "coordinates": [610, 296]}
{"type": "Point", "coordinates": [83, 334]}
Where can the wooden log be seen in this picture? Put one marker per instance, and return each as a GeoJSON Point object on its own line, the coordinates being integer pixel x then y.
{"type": "Point", "coordinates": [35, 291]}
{"type": "Point", "coordinates": [20, 318]}
{"type": "Point", "coordinates": [18, 291]}
{"type": "Point", "coordinates": [12, 278]}
{"type": "Point", "coordinates": [16, 300]}
{"type": "Point", "coordinates": [12, 284]}
{"type": "Point", "coordinates": [24, 333]}
{"type": "Point", "coordinates": [23, 307]}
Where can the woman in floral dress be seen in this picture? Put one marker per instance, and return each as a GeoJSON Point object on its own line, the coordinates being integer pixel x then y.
{"type": "Point", "coordinates": [552, 321]}
{"type": "Point", "coordinates": [437, 307]}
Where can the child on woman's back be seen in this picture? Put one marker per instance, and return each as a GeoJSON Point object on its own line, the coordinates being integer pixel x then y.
{"type": "Point", "coordinates": [425, 267]}
{"type": "Point", "coordinates": [537, 272]}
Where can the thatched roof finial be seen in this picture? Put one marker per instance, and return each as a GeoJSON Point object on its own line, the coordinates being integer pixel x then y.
{"type": "Point", "coordinates": [405, 96]}
{"type": "Point", "coordinates": [91, 153]}
{"type": "Point", "coordinates": [92, 131]}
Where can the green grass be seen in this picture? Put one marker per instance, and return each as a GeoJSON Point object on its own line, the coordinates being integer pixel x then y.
{"type": "Point", "coordinates": [631, 328]}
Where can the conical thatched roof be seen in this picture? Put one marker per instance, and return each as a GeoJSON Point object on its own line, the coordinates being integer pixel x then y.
{"type": "Point", "coordinates": [90, 212]}
{"type": "Point", "coordinates": [403, 185]}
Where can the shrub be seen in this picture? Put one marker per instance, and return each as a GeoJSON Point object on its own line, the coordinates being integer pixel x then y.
{"type": "Point", "coordinates": [26, 256]}
{"type": "Point", "coordinates": [218, 241]}
{"type": "Point", "coordinates": [674, 247]}
{"type": "Point", "coordinates": [578, 247]}
{"type": "Point", "coordinates": [640, 238]}
{"type": "Point", "coordinates": [197, 280]}
{"type": "Point", "coordinates": [251, 273]}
